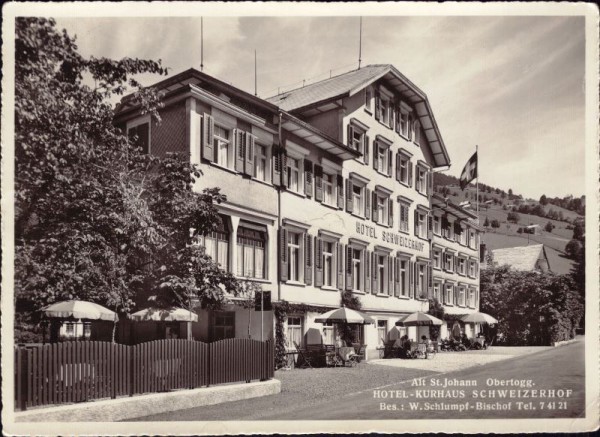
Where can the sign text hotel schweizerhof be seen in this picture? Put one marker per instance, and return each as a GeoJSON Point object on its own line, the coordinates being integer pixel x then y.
{"type": "Point", "coordinates": [389, 237]}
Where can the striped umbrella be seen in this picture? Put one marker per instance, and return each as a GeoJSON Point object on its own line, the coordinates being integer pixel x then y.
{"type": "Point", "coordinates": [345, 315]}
{"type": "Point", "coordinates": [80, 309]}
{"type": "Point", "coordinates": [419, 319]}
{"type": "Point", "coordinates": [479, 318]}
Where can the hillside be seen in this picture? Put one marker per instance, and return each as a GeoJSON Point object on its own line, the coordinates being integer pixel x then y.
{"type": "Point", "coordinates": [496, 204]}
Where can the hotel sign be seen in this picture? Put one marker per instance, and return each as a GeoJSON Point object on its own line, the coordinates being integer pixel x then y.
{"type": "Point", "coordinates": [389, 237]}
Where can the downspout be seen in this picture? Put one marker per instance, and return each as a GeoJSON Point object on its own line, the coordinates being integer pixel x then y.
{"type": "Point", "coordinates": [279, 132]}
{"type": "Point", "coordinates": [430, 292]}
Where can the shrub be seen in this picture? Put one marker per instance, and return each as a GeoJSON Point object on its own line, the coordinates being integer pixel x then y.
{"type": "Point", "coordinates": [573, 248]}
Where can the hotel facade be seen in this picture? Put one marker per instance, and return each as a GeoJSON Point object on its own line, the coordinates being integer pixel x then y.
{"type": "Point", "coordinates": [329, 188]}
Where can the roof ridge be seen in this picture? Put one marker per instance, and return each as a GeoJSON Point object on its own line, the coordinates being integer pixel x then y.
{"type": "Point", "coordinates": [326, 79]}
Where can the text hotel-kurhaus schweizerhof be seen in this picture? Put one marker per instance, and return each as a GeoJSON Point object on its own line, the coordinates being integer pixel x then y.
{"type": "Point", "coordinates": [329, 188]}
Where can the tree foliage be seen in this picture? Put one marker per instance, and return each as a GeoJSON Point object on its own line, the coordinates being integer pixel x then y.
{"type": "Point", "coordinates": [95, 219]}
{"type": "Point", "coordinates": [532, 308]}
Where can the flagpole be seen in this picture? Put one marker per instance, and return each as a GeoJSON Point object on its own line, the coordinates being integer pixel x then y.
{"type": "Point", "coordinates": [477, 182]}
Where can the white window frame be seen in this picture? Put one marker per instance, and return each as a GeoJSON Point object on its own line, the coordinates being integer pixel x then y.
{"type": "Point", "coordinates": [462, 266]}
{"type": "Point", "coordinates": [436, 261]}
{"type": "Point", "coordinates": [299, 249]}
{"type": "Point", "coordinates": [404, 285]}
{"type": "Point", "coordinates": [382, 332]}
{"type": "Point", "coordinates": [449, 294]}
{"type": "Point", "coordinates": [358, 200]}
{"type": "Point", "coordinates": [332, 201]}
{"type": "Point", "coordinates": [404, 225]}
{"type": "Point", "coordinates": [471, 298]}
{"type": "Point", "coordinates": [462, 296]}
{"type": "Point", "coordinates": [421, 224]}
{"type": "Point", "coordinates": [421, 281]}
{"type": "Point", "coordinates": [357, 267]}
{"type": "Point", "coordinates": [382, 272]}
{"type": "Point", "coordinates": [437, 225]}
{"type": "Point", "coordinates": [219, 141]}
{"type": "Point", "coordinates": [437, 291]}
{"type": "Point", "coordinates": [404, 164]}
{"type": "Point", "coordinates": [404, 122]}
{"type": "Point", "coordinates": [299, 188]}
{"type": "Point", "coordinates": [258, 157]}
{"type": "Point", "coordinates": [331, 275]}
{"type": "Point", "coordinates": [451, 258]}
{"type": "Point", "coordinates": [383, 203]}
{"type": "Point", "coordinates": [297, 327]}
{"type": "Point", "coordinates": [255, 249]}
{"type": "Point", "coordinates": [421, 180]}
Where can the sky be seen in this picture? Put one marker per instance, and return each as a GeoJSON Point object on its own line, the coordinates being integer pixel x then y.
{"type": "Point", "coordinates": [513, 85]}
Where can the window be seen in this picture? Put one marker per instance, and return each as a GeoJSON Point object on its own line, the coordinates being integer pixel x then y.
{"type": "Point", "coordinates": [294, 331]}
{"type": "Point", "coordinates": [383, 110]}
{"type": "Point", "coordinates": [70, 329]}
{"type": "Point", "coordinates": [437, 259]}
{"type": "Point", "coordinates": [403, 172]}
{"type": "Point", "coordinates": [449, 294]}
{"type": "Point", "coordinates": [294, 256]}
{"type": "Point", "coordinates": [222, 146]}
{"type": "Point", "coordinates": [139, 135]}
{"type": "Point", "coordinates": [328, 333]}
{"type": "Point", "coordinates": [381, 279]}
{"type": "Point", "coordinates": [404, 278]}
{"type": "Point", "coordinates": [472, 297]}
{"type": "Point", "coordinates": [461, 233]}
{"type": "Point", "coordinates": [436, 291]}
{"type": "Point", "coordinates": [216, 245]}
{"type": "Point", "coordinates": [417, 132]}
{"type": "Point", "coordinates": [293, 174]}
{"type": "Point", "coordinates": [328, 264]}
{"type": "Point", "coordinates": [251, 253]}
{"type": "Point", "coordinates": [421, 282]}
{"type": "Point", "coordinates": [87, 329]}
{"type": "Point", "coordinates": [260, 162]}
{"type": "Point", "coordinates": [223, 325]}
{"type": "Point", "coordinates": [329, 183]}
{"type": "Point", "coordinates": [449, 231]}
{"type": "Point", "coordinates": [404, 123]}
{"type": "Point", "coordinates": [368, 98]}
{"type": "Point", "coordinates": [472, 239]}
{"type": "Point", "coordinates": [449, 262]}
{"type": "Point", "coordinates": [381, 155]}
{"type": "Point", "coordinates": [356, 270]}
{"type": "Point", "coordinates": [461, 296]}
{"type": "Point", "coordinates": [382, 210]}
{"type": "Point", "coordinates": [462, 266]}
{"type": "Point", "coordinates": [437, 225]}
{"type": "Point", "coordinates": [381, 332]}
{"type": "Point", "coordinates": [421, 182]}
{"type": "Point", "coordinates": [404, 217]}
{"type": "Point", "coordinates": [473, 269]}
{"type": "Point", "coordinates": [357, 199]}
{"type": "Point", "coordinates": [420, 225]}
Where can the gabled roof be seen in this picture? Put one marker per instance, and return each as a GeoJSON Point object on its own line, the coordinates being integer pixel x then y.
{"type": "Point", "coordinates": [345, 85]}
{"type": "Point", "coordinates": [522, 258]}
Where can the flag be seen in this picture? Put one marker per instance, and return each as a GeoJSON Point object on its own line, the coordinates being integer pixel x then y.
{"type": "Point", "coordinates": [469, 172]}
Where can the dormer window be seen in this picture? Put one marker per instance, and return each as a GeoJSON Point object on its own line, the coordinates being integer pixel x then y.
{"type": "Point", "coordinates": [358, 139]}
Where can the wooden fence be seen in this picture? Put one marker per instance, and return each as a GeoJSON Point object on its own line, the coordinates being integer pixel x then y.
{"type": "Point", "coordinates": [80, 371]}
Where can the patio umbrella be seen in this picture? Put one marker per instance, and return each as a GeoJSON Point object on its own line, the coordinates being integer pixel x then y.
{"type": "Point", "coordinates": [345, 315]}
{"type": "Point", "coordinates": [419, 319]}
{"type": "Point", "coordinates": [80, 309]}
{"type": "Point", "coordinates": [164, 315]}
{"type": "Point", "coordinates": [479, 318]}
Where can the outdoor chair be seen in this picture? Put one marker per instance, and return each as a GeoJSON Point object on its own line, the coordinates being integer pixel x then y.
{"type": "Point", "coordinates": [304, 357]}
{"type": "Point", "coordinates": [360, 351]}
{"type": "Point", "coordinates": [412, 353]}
{"type": "Point", "coordinates": [421, 350]}
{"type": "Point", "coordinates": [432, 349]}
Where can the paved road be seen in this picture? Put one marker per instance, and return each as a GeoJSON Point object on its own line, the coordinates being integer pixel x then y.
{"type": "Point", "coordinates": [561, 369]}
{"type": "Point", "coordinates": [556, 368]}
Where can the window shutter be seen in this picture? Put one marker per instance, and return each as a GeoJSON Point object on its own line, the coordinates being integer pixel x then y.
{"type": "Point", "coordinates": [411, 287]}
{"type": "Point", "coordinates": [308, 254]}
{"type": "Point", "coordinates": [398, 167]}
{"type": "Point", "coordinates": [367, 203]}
{"type": "Point", "coordinates": [390, 164]}
{"type": "Point", "coordinates": [340, 191]}
{"type": "Point", "coordinates": [390, 213]}
{"type": "Point", "coordinates": [377, 106]}
{"type": "Point", "coordinates": [348, 268]}
{"type": "Point", "coordinates": [208, 128]}
{"type": "Point", "coordinates": [429, 281]}
{"type": "Point", "coordinates": [375, 215]}
{"type": "Point", "coordinates": [350, 136]}
{"type": "Point", "coordinates": [277, 167]}
{"type": "Point", "coordinates": [416, 220]}
{"type": "Point", "coordinates": [318, 183]}
{"type": "Point", "coordinates": [430, 183]}
{"type": "Point", "coordinates": [240, 149]}
{"type": "Point", "coordinates": [367, 271]}
{"type": "Point", "coordinates": [249, 146]}
{"type": "Point", "coordinates": [340, 265]}
{"type": "Point", "coordinates": [319, 262]}
{"type": "Point", "coordinates": [397, 277]}
{"type": "Point", "coordinates": [308, 178]}
{"type": "Point", "coordinates": [284, 170]}
{"type": "Point", "coordinates": [349, 199]}
{"type": "Point", "coordinates": [410, 174]}
{"type": "Point", "coordinates": [283, 254]}
{"type": "Point", "coordinates": [374, 263]}
{"type": "Point", "coordinates": [375, 154]}
{"type": "Point", "coordinates": [366, 148]}
{"type": "Point", "coordinates": [390, 268]}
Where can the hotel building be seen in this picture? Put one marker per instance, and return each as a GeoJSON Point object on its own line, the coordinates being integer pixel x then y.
{"type": "Point", "coordinates": [329, 189]}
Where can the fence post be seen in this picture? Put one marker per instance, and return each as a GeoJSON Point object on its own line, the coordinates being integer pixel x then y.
{"type": "Point", "coordinates": [24, 369]}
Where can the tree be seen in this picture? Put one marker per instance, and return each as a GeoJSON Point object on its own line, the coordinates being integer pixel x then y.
{"type": "Point", "coordinates": [510, 193]}
{"type": "Point", "coordinates": [96, 219]}
{"type": "Point", "coordinates": [543, 200]}
{"type": "Point", "coordinates": [573, 248]}
{"type": "Point", "coordinates": [578, 232]}
{"type": "Point", "coordinates": [513, 217]}
{"type": "Point", "coordinates": [549, 226]}
{"type": "Point", "coordinates": [436, 309]}
{"type": "Point", "coordinates": [495, 224]}
{"type": "Point", "coordinates": [486, 223]}
{"type": "Point", "coordinates": [532, 308]}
